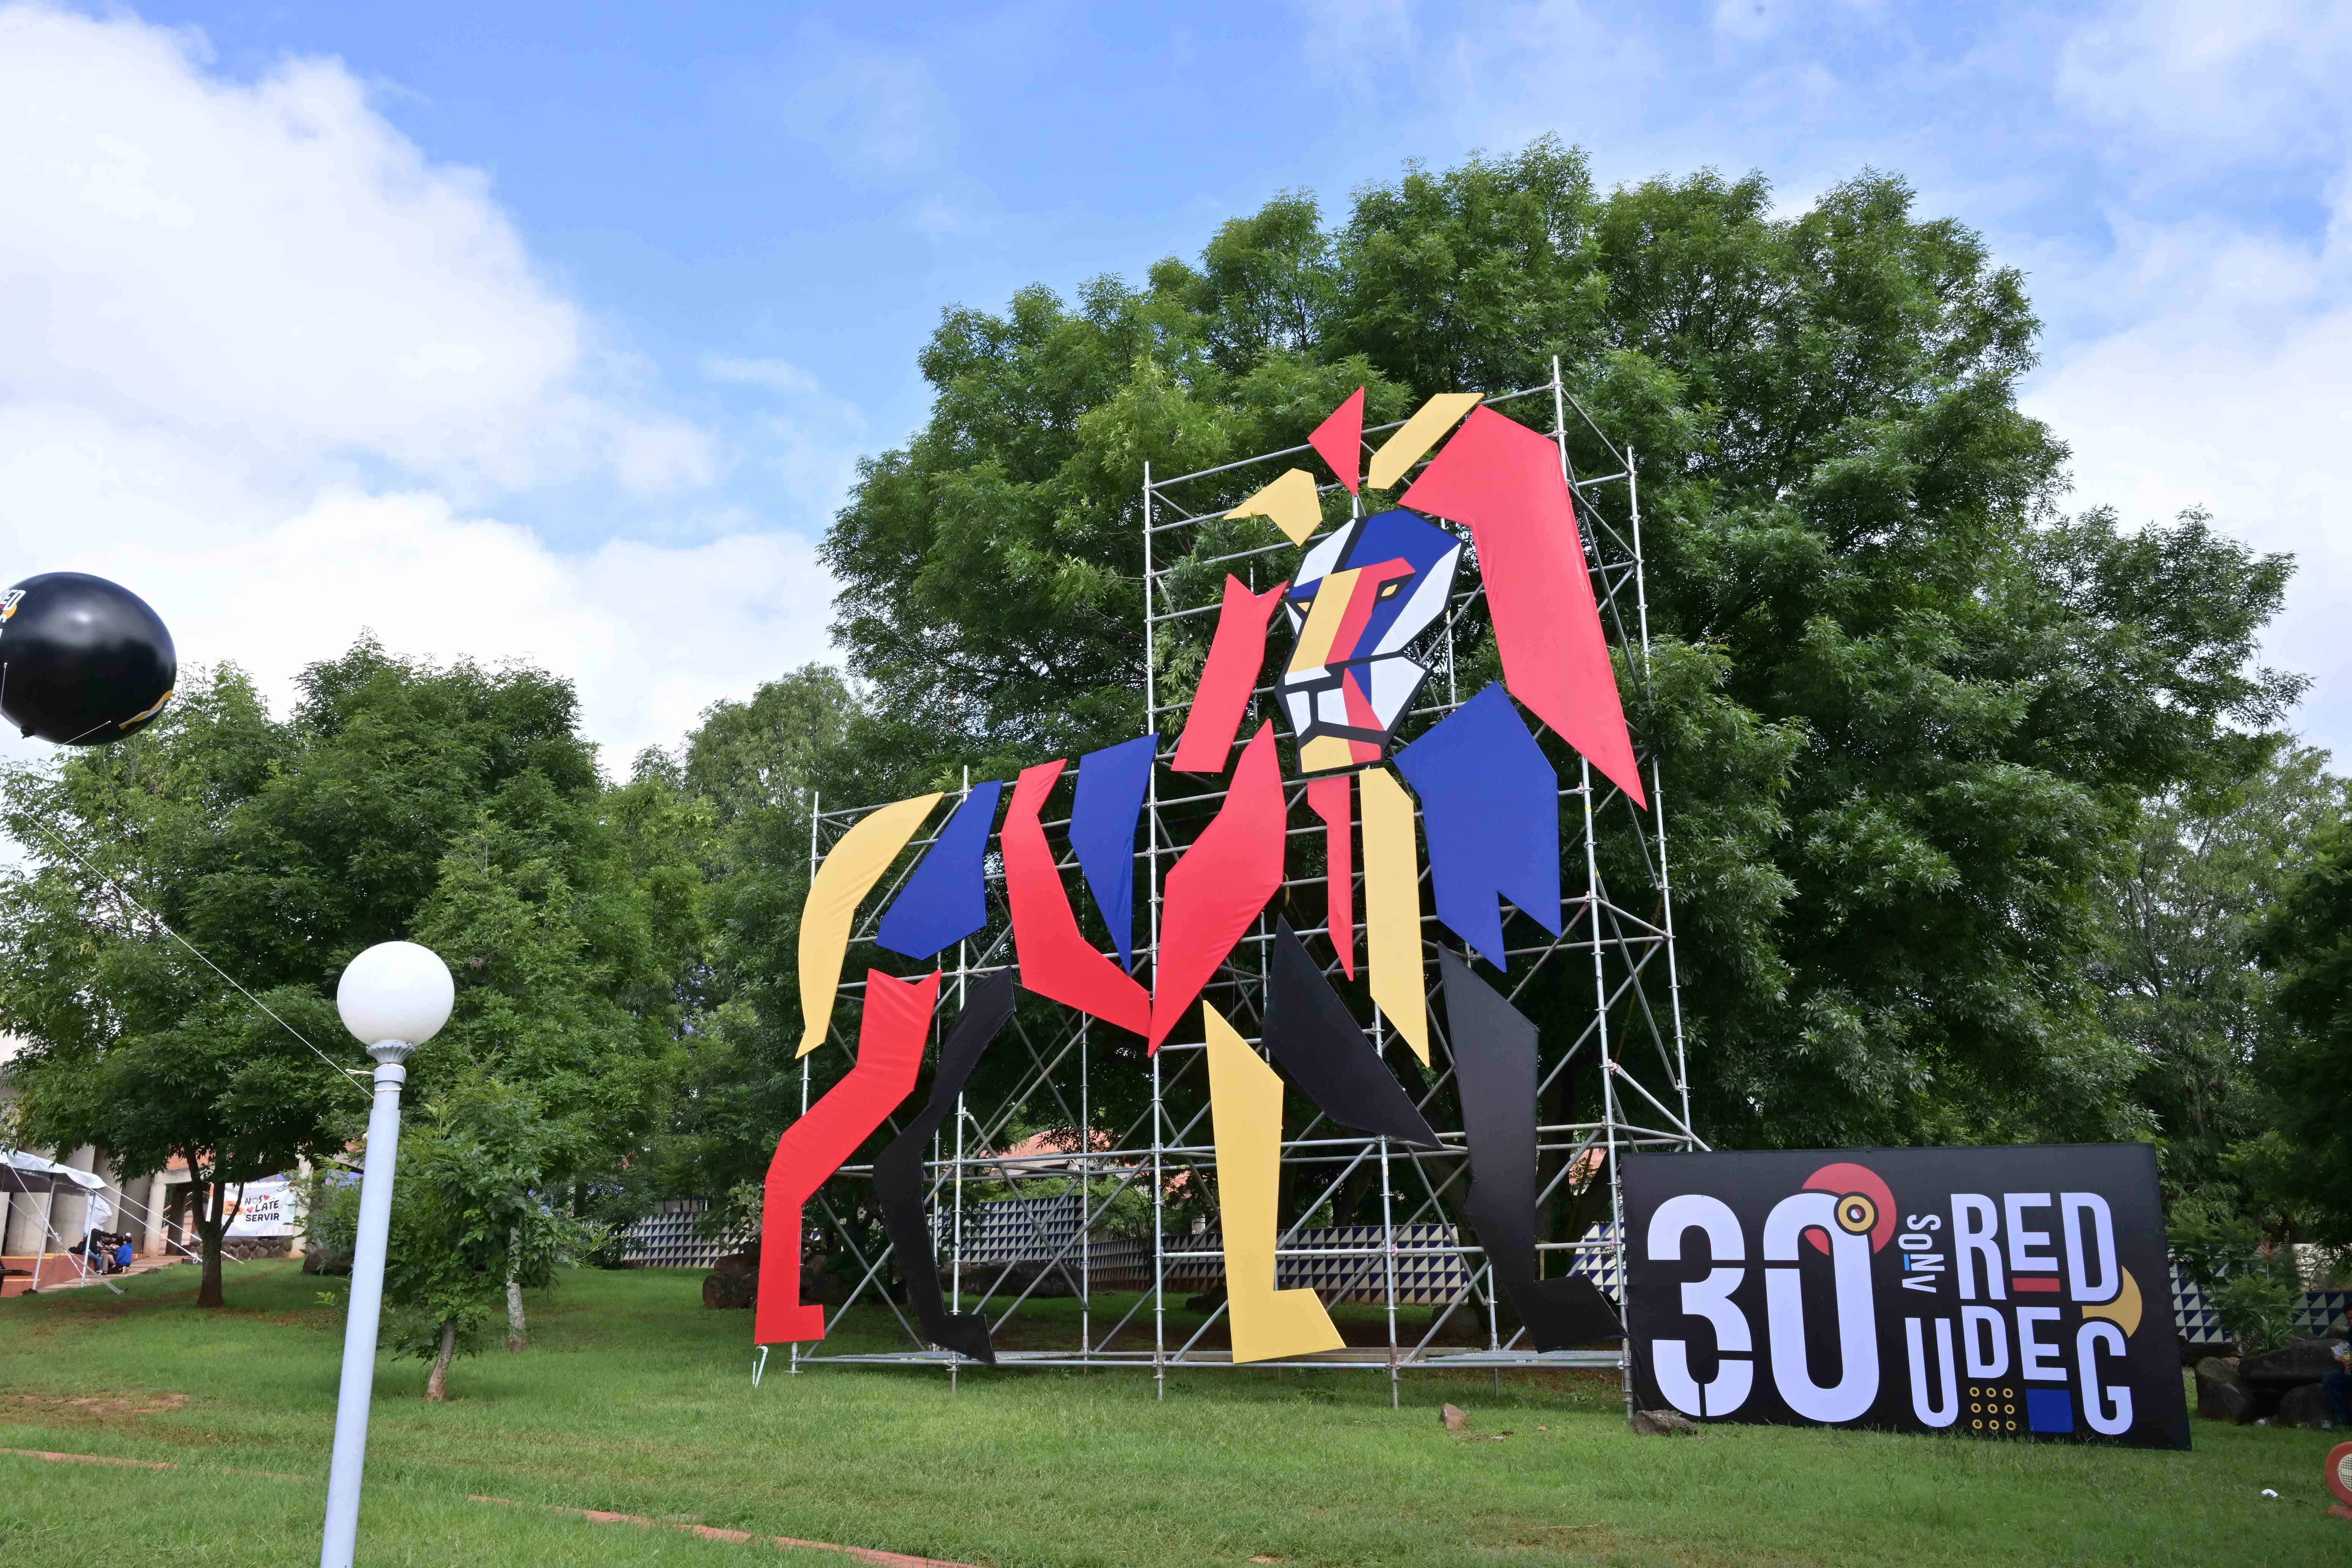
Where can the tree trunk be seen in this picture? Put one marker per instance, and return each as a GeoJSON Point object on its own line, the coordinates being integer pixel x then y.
{"type": "Point", "coordinates": [437, 1385]}
{"type": "Point", "coordinates": [516, 1333]}
{"type": "Point", "coordinates": [210, 1225]}
{"type": "Point", "coordinates": [1350, 1205]}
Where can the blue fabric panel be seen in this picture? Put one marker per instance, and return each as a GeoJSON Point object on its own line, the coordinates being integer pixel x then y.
{"type": "Point", "coordinates": [1391, 536]}
{"type": "Point", "coordinates": [2049, 1410]}
{"type": "Point", "coordinates": [1490, 806]}
{"type": "Point", "coordinates": [946, 900]}
{"type": "Point", "coordinates": [1111, 782]}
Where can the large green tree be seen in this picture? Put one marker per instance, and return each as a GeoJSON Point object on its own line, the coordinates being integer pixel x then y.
{"type": "Point", "coordinates": [755, 767]}
{"type": "Point", "coordinates": [470, 1219]}
{"type": "Point", "coordinates": [1906, 707]}
{"type": "Point", "coordinates": [134, 1042]}
{"type": "Point", "coordinates": [454, 805]}
{"type": "Point", "coordinates": [2306, 1066]}
{"type": "Point", "coordinates": [2181, 986]}
{"type": "Point", "coordinates": [2179, 976]}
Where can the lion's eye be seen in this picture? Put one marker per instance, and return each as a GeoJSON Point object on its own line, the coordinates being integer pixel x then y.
{"type": "Point", "coordinates": [1389, 590]}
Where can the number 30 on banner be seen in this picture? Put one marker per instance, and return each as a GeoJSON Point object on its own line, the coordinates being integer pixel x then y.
{"type": "Point", "coordinates": [1799, 1338]}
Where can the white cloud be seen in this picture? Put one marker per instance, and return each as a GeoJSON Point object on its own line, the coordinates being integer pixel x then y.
{"type": "Point", "coordinates": [1361, 43]}
{"type": "Point", "coordinates": [2174, 176]}
{"type": "Point", "coordinates": [879, 118]}
{"type": "Point", "coordinates": [2211, 362]}
{"type": "Point", "coordinates": [275, 266]}
{"type": "Point", "coordinates": [810, 442]}
{"type": "Point", "coordinates": [268, 365]}
{"type": "Point", "coordinates": [2208, 84]}
{"type": "Point", "coordinates": [1748, 20]}
{"type": "Point", "coordinates": [775, 375]}
{"type": "Point", "coordinates": [650, 634]}
{"type": "Point", "coordinates": [2232, 389]}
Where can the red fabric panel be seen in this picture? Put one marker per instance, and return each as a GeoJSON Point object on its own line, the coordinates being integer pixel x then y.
{"type": "Point", "coordinates": [1360, 714]}
{"type": "Point", "coordinates": [1056, 960]}
{"type": "Point", "coordinates": [1505, 481]}
{"type": "Point", "coordinates": [889, 1049]}
{"type": "Point", "coordinates": [1333, 799]}
{"type": "Point", "coordinates": [1370, 580]}
{"type": "Point", "coordinates": [1236, 655]}
{"type": "Point", "coordinates": [1220, 886]}
{"type": "Point", "coordinates": [1340, 440]}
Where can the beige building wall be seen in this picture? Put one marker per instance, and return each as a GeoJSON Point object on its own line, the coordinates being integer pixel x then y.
{"type": "Point", "coordinates": [25, 1214]}
{"type": "Point", "coordinates": [33, 1223]}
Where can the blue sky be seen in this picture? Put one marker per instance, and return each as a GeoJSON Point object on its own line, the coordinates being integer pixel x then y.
{"type": "Point", "coordinates": [555, 333]}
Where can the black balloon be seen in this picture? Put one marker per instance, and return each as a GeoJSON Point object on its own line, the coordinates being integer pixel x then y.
{"type": "Point", "coordinates": [82, 660]}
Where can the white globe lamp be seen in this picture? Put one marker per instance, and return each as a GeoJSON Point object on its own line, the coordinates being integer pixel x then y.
{"type": "Point", "coordinates": [395, 991]}
{"type": "Point", "coordinates": [394, 997]}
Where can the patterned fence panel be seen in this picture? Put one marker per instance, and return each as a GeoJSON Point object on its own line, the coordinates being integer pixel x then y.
{"type": "Point", "coordinates": [1343, 1262]}
{"type": "Point", "coordinates": [666, 1238]}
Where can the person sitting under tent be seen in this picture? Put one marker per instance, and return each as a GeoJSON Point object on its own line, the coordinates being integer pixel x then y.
{"type": "Point", "coordinates": [107, 1251]}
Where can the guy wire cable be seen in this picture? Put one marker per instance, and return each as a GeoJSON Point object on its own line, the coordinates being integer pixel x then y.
{"type": "Point", "coordinates": [332, 1065]}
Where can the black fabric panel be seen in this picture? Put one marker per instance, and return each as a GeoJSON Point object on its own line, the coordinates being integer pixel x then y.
{"type": "Point", "coordinates": [1313, 1038]}
{"type": "Point", "coordinates": [1494, 1066]}
{"type": "Point", "coordinates": [898, 1175]}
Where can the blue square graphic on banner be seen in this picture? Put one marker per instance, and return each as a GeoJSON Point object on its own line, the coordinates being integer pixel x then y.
{"type": "Point", "coordinates": [2049, 1410]}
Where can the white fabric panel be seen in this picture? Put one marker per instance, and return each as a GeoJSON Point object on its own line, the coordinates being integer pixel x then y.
{"type": "Point", "coordinates": [1427, 602]}
{"type": "Point", "coordinates": [1321, 560]}
{"type": "Point", "coordinates": [1393, 681]}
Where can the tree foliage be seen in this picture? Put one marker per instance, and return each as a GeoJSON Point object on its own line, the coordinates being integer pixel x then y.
{"type": "Point", "coordinates": [1906, 707]}
{"type": "Point", "coordinates": [2307, 940]}
{"type": "Point", "coordinates": [755, 766]}
{"type": "Point", "coordinates": [2179, 975]}
{"type": "Point", "coordinates": [2182, 989]}
{"type": "Point", "coordinates": [471, 1213]}
{"type": "Point", "coordinates": [455, 805]}
{"type": "Point", "coordinates": [1977, 807]}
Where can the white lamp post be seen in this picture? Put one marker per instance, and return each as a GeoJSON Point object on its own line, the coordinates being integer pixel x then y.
{"type": "Point", "coordinates": [395, 997]}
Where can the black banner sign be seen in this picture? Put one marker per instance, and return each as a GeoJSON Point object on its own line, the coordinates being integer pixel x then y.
{"type": "Point", "coordinates": [2013, 1292]}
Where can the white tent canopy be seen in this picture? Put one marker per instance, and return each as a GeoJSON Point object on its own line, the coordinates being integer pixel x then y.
{"type": "Point", "coordinates": [22, 1171]}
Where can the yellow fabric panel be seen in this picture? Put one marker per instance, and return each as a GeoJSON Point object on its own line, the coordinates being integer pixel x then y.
{"type": "Point", "coordinates": [1393, 909]}
{"type": "Point", "coordinates": [1415, 437]}
{"type": "Point", "coordinates": [842, 883]}
{"type": "Point", "coordinates": [1324, 614]}
{"type": "Point", "coordinates": [1245, 1109]}
{"type": "Point", "coordinates": [1290, 501]}
{"type": "Point", "coordinates": [1325, 753]}
{"type": "Point", "coordinates": [2125, 1310]}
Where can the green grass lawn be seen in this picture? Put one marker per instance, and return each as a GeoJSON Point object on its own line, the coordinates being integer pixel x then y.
{"type": "Point", "coordinates": [633, 1398]}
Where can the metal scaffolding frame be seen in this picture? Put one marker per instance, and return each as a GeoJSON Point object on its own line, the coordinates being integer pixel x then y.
{"type": "Point", "coordinates": [1642, 1090]}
